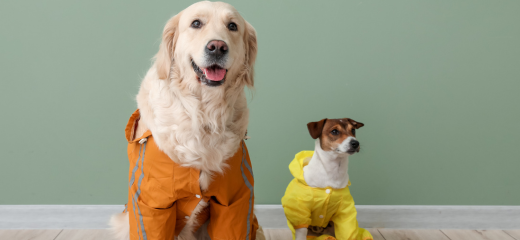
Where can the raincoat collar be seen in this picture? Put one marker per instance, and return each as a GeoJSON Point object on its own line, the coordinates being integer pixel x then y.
{"type": "Point", "coordinates": [131, 126]}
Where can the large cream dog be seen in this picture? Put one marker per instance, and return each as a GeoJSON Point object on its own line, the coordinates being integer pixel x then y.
{"type": "Point", "coordinates": [193, 108]}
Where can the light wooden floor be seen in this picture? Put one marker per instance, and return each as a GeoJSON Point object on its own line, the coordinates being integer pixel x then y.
{"type": "Point", "coordinates": [276, 234]}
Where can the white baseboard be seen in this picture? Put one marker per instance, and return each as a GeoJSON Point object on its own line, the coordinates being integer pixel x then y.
{"type": "Point", "coordinates": [272, 216]}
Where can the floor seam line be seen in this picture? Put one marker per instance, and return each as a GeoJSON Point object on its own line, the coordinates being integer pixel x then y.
{"type": "Point", "coordinates": [58, 234]}
{"type": "Point", "coordinates": [445, 234]}
{"type": "Point", "coordinates": [381, 233]}
{"type": "Point", "coordinates": [508, 234]}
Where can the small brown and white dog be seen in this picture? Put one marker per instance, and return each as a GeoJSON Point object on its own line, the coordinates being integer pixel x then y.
{"type": "Point", "coordinates": [192, 98]}
{"type": "Point", "coordinates": [335, 141]}
{"type": "Point", "coordinates": [320, 196]}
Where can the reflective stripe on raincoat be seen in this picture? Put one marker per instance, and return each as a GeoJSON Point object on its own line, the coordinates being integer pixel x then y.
{"type": "Point", "coordinates": [163, 194]}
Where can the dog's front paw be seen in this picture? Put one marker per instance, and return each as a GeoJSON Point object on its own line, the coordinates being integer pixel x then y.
{"type": "Point", "coordinates": [301, 234]}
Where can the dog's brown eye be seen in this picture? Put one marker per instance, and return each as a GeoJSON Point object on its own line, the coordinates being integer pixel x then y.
{"type": "Point", "coordinates": [232, 26]}
{"type": "Point", "coordinates": [196, 24]}
{"type": "Point", "coordinates": [354, 131]}
{"type": "Point", "coordinates": [334, 132]}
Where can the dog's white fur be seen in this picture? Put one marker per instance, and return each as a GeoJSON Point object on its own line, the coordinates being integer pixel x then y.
{"type": "Point", "coordinates": [196, 125]}
{"type": "Point", "coordinates": [120, 227]}
{"type": "Point", "coordinates": [326, 169]}
{"type": "Point", "coordinates": [191, 224]}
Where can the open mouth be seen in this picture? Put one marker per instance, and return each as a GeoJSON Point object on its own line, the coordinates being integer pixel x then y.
{"type": "Point", "coordinates": [212, 76]}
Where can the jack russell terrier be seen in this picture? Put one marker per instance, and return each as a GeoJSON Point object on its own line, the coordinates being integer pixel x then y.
{"type": "Point", "coordinates": [319, 198]}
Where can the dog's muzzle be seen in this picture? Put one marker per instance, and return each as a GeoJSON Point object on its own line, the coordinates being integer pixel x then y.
{"type": "Point", "coordinates": [353, 147]}
{"type": "Point", "coordinates": [212, 76]}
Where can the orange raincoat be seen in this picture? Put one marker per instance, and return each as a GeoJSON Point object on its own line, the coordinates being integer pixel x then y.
{"type": "Point", "coordinates": [163, 194]}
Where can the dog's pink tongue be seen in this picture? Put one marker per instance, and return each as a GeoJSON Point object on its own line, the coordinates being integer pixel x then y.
{"type": "Point", "coordinates": [215, 74]}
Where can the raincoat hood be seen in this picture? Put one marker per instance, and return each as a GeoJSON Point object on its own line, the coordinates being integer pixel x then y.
{"type": "Point", "coordinates": [296, 166]}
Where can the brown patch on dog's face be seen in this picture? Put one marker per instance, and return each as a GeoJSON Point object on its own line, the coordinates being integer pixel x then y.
{"type": "Point", "coordinates": [333, 133]}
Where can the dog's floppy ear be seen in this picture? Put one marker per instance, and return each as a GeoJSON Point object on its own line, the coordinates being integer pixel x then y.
{"type": "Point", "coordinates": [315, 128]}
{"type": "Point", "coordinates": [355, 123]}
{"type": "Point", "coordinates": [164, 58]}
{"type": "Point", "coordinates": [251, 50]}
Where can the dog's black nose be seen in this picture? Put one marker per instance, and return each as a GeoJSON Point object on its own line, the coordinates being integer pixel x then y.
{"type": "Point", "coordinates": [354, 143]}
{"type": "Point", "coordinates": [216, 49]}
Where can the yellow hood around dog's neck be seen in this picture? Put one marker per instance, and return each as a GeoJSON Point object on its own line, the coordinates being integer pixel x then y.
{"type": "Point", "coordinates": [300, 160]}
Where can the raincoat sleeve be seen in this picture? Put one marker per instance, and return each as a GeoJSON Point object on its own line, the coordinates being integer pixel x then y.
{"type": "Point", "coordinates": [346, 224]}
{"type": "Point", "coordinates": [297, 203]}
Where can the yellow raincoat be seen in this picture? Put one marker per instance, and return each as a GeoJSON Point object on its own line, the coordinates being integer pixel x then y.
{"type": "Point", "coordinates": [306, 206]}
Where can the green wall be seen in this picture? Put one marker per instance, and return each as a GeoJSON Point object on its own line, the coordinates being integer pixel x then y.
{"type": "Point", "coordinates": [435, 82]}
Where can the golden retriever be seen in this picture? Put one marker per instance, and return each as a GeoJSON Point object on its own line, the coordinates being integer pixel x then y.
{"type": "Point", "coordinates": [192, 98]}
